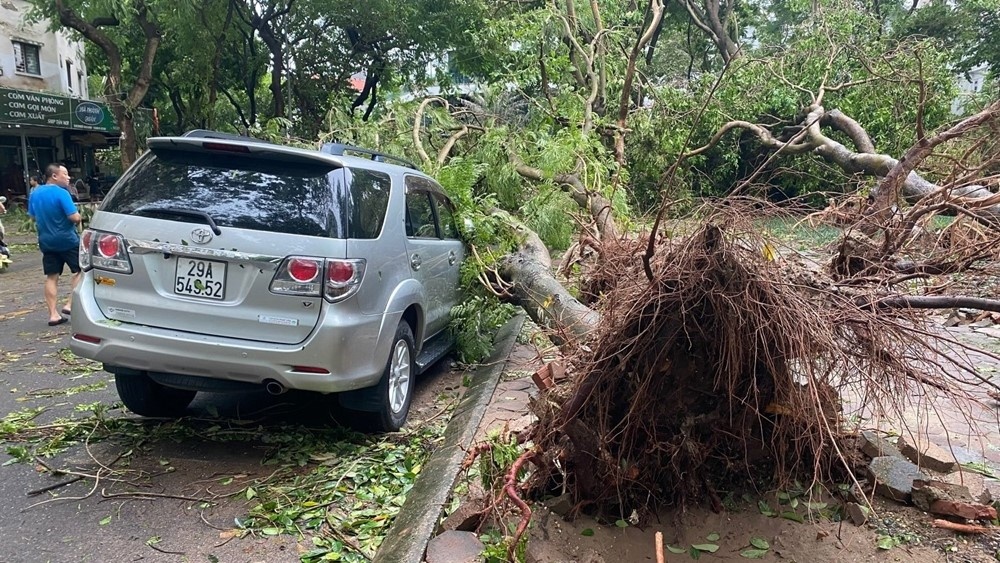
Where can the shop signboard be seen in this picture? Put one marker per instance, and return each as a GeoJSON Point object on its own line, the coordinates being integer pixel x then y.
{"type": "Point", "coordinates": [92, 116]}
{"type": "Point", "coordinates": [25, 107]}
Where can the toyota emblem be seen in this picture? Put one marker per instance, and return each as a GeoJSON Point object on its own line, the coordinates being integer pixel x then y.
{"type": "Point", "coordinates": [201, 235]}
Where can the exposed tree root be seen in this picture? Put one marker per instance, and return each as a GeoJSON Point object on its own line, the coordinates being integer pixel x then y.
{"type": "Point", "coordinates": [961, 528]}
{"type": "Point", "coordinates": [725, 370]}
{"type": "Point", "coordinates": [510, 489]}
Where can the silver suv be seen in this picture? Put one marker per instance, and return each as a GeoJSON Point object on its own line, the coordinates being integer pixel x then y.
{"type": "Point", "coordinates": [224, 263]}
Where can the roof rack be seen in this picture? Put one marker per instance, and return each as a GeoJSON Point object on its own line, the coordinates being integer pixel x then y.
{"type": "Point", "coordinates": [340, 149]}
{"type": "Point", "coordinates": [208, 134]}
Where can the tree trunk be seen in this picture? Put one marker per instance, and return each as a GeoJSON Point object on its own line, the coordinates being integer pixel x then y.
{"type": "Point", "coordinates": [277, 66]}
{"type": "Point", "coordinates": [546, 300]}
{"type": "Point", "coordinates": [122, 107]}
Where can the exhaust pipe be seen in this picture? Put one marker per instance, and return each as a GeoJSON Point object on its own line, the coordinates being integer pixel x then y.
{"type": "Point", "coordinates": [273, 387]}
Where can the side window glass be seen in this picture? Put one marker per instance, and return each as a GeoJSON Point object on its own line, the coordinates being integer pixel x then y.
{"type": "Point", "coordinates": [369, 201]}
{"type": "Point", "coordinates": [446, 218]}
{"type": "Point", "coordinates": [419, 215]}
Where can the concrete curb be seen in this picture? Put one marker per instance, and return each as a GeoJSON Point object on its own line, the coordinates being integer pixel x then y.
{"type": "Point", "coordinates": [417, 520]}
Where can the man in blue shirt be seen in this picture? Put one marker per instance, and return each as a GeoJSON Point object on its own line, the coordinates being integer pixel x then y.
{"type": "Point", "coordinates": [56, 217]}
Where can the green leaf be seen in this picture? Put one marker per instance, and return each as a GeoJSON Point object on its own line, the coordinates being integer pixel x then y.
{"type": "Point", "coordinates": [765, 508]}
{"type": "Point", "coordinates": [587, 532]}
{"type": "Point", "coordinates": [760, 543]}
{"type": "Point", "coordinates": [714, 536]}
{"type": "Point", "coordinates": [621, 523]}
{"type": "Point", "coordinates": [706, 547]}
{"type": "Point", "coordinates": [677, 550]}
{"type": "Point", "coordinates": [753, 553]}
{"type": "Point", "coordinates": [105, 521]}
{"type": "Point", "coordinates": [886, 542]}
{"type": "Point", "coordinates": [793, 516]}
{"type": "Point", "coordinates": [251, 493]}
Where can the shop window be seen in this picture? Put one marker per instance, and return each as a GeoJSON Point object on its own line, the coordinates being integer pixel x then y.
{"type": "Point", "coordinates": [26, 58]}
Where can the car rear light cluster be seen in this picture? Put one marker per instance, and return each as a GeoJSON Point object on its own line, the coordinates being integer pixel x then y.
{"type": "Point", "coordinates": [104, 251]}
{"type": "Point", "coordinates": [332, 279]}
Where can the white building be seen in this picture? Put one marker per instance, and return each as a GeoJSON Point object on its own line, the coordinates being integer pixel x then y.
{"type": "Point", "coordinates": [46, 114]}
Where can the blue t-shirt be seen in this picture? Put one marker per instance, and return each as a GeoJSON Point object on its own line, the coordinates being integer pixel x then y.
{"type": "Point", "coordinates": [51, 205]}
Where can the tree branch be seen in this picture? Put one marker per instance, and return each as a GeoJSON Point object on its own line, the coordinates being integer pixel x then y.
{"type": "Point", "coordinates": [890, 187]}
{"type": "Point", "coordinates": [417, 123]}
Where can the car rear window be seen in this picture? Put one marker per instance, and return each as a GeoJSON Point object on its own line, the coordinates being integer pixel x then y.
{"type": "Point", "coordinates": [253, 193]}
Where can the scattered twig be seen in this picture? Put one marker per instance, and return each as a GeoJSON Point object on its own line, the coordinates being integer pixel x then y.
{"type": "Point", "coordinates": [54, 486]}
{"type": "Point", "coordinates": [151, 496]}
{"type": "Point", "coordinates": [161, 550]}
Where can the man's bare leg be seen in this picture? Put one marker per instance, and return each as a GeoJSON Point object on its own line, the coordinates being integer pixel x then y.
{"type": "Point", "coordinates": [51, 292]}
{"type": "Point", "coordinates": [75, 279]}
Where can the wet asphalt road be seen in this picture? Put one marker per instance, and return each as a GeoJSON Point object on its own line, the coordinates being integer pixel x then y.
{"type": "Point", "coordinates": [85, 521]}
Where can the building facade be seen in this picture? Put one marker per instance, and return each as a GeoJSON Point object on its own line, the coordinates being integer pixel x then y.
{"type": "Point", "coordinates": [46, 114]}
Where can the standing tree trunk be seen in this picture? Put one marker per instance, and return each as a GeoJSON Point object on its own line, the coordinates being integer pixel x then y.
{"type": "Point", "coordinates": [265, 23]}
{"type": "Point", "coordinates": [122, 107]}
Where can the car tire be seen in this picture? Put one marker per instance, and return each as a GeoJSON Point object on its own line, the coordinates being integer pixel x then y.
{"type": "Point", "coordinates": [395, 389]}
{"type": "Point", "coordinates": [145, 397]}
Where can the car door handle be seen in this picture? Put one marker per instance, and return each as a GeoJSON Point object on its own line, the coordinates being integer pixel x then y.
{"type": "Point", "coordinates": [452, 258]}
{"type": "Point", "coordinates": [415, 261]}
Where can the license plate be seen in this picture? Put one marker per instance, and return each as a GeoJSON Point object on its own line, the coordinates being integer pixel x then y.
{"type": "Point", "coordinates": [200, 278]}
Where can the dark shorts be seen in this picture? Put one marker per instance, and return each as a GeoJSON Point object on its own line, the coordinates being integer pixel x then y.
{"type": "Point", "coordinates": [53, 262]}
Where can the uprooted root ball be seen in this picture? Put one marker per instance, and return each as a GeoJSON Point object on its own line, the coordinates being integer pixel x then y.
{"type": "Point", "coordinates": [719, 369]}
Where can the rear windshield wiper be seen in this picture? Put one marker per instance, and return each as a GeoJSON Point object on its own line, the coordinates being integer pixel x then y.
{"type": "Point", "coordinates": [180, 212]}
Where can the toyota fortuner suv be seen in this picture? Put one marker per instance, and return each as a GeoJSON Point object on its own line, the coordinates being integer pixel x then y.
{"type": "Point", "coordinates": [224, 263]}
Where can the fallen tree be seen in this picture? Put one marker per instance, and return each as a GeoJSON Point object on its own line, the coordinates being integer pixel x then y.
{"type": "Point", "coordinates": [728, 365]}
{"type": "Point", "coordinates": [700, 361]}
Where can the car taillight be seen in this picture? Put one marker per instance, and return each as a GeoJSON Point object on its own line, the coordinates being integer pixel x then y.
{"type": "Point", "coordinates": [108, 246]}
{"type": "Point", "coordinates": [303, 270]}
{"type": "Point", "coordinates": [343, 278]}
{"type": "Point", "coordinates": [339, 271]}
{"type": "Point", "coordinates": [105, 251]}
{"type": "Point", "coordinates": [299, 275]}
{"type": "Point", "coordinates": [85, 240]}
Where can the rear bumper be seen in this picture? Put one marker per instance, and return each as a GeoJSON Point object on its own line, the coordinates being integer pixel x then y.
{"type": "Point", "coordinates": [349, 348]}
